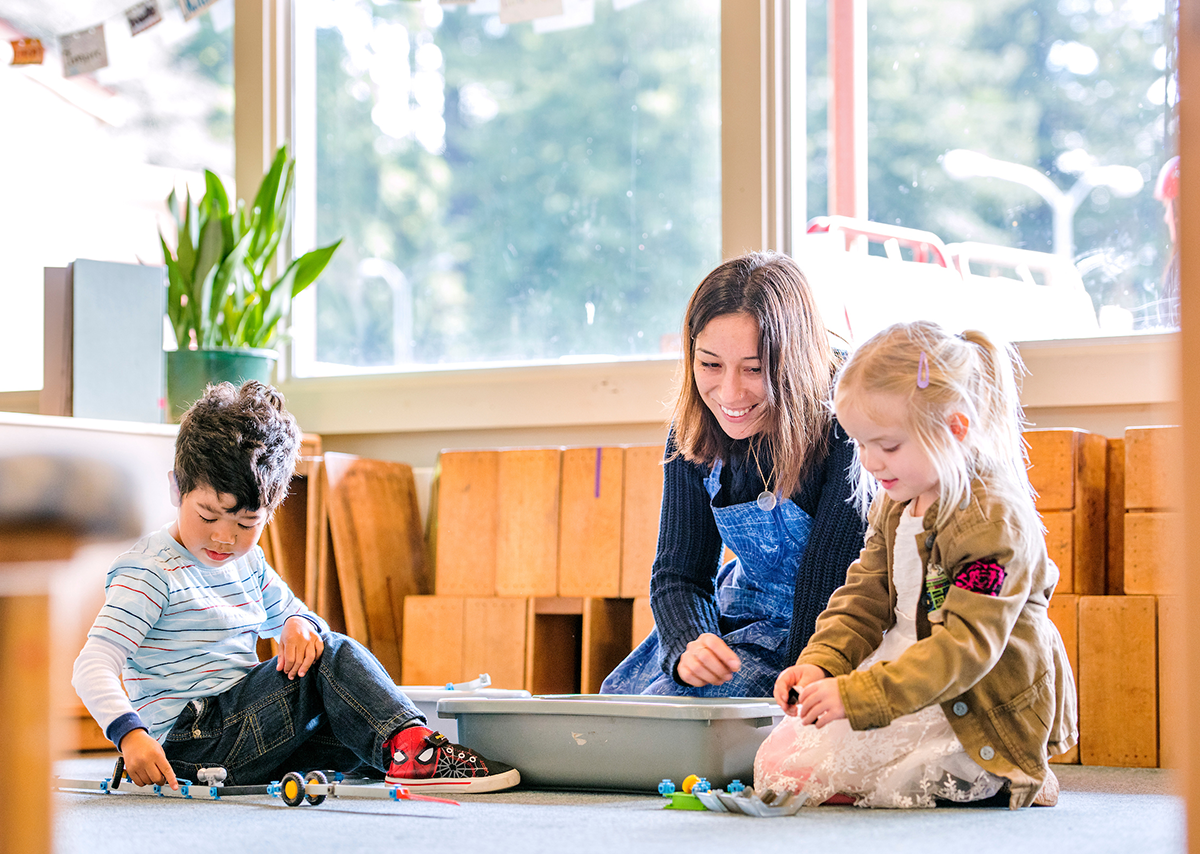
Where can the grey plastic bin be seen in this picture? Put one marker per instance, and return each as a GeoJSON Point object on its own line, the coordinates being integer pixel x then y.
{"type": "Point", "coordinates": [427, 698]}
{"type": "Point", "coordinates": [616, 742]}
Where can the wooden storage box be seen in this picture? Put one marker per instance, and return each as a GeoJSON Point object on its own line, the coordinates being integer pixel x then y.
{"type": "Point", "coordinates": [545, 645]}
{"type": "Point", "coordinates": [1118, 681]}
{"type": "Point", "coordinates": [1153, 527]}
{"type": "Point", "coordinates": [1064, 613]}
{"type": "Point", "coordinates": [1068, 468]}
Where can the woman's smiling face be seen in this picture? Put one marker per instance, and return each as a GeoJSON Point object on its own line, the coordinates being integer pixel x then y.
{"type": "Point", "coordinates": [728, 373]}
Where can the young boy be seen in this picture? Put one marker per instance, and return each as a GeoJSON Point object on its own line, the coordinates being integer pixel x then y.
{"type": "Point", "coordinates": [184, 609]}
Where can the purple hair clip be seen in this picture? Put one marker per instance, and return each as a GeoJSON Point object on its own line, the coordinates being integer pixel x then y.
{"type": "Point", "coordinates": [923, 371]}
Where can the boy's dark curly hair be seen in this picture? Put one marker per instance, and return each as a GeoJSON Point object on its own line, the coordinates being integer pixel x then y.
{"type": "Point", "coordinates": [240, 442]}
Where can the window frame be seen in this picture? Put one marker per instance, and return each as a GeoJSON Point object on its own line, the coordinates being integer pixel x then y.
{"type": "Point", "coordinates": [756, 188]}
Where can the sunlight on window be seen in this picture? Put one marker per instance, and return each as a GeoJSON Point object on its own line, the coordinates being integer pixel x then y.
{"type": "Point", "coordinates": [1016, 136]}
{"type": "Point", "coordinates": [508, 193]}
{"type": "Point", "coordinates": [91, 166]}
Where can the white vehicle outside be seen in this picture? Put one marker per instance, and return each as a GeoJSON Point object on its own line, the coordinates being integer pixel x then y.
{"type": "Point", "coordinates": [1012, 294]}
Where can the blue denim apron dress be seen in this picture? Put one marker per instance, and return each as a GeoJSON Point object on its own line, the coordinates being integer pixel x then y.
{"type": "Point", "coordinates": [755, 594]}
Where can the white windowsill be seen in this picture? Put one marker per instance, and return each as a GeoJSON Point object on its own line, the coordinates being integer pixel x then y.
{"type": "Point", "coordinates": [1130, 370]}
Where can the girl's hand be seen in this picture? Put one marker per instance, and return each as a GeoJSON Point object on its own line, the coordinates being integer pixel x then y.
{"type": "Point", "coordinates": [708, 660]}
{"type": "Point", "coordinates": [145, 761]}
{"type": "Point", "coordinates": [821, 703]}
{"type": "Point", "coordinates": [300, 645]}
{"type": "Point", "coordinates": [791, 681]}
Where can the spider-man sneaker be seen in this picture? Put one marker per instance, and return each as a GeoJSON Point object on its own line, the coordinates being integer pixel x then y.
{"type": "Point", "coordinates": [427, 761]}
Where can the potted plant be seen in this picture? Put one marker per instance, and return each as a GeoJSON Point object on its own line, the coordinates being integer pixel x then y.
{"type": "Point", "coordinates": [223, 302]}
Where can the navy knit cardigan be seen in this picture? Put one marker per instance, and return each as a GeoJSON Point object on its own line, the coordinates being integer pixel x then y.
{"type": "Point", "coordinates": [683, 578]}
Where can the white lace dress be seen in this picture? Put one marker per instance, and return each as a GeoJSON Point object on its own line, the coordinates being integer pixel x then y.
{"type": "Point", "coordinates": [909, 763]}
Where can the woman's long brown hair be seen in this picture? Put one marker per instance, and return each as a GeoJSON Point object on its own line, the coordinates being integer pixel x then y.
{"type": "Point", "coordinates": [797, 360]}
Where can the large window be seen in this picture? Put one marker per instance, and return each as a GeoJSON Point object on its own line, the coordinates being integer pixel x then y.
{"type": "Point", "coordinates": [1032, 125]}
{"type": "Point", "coordinates": [89, 159]}
{"type": "Point", "coordinates": [507, 193]}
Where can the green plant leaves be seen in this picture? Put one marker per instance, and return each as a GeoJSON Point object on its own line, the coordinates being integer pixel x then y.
{"type": "Point", "coordinates": [219, 288]}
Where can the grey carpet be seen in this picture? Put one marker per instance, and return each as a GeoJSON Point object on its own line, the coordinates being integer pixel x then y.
{"type": "Point", "coordinates": [1101, 810]}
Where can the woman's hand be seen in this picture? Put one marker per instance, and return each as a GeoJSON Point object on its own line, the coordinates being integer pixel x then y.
{"type": "Point", "coordinates": [145, 762]}
{"type": "Point", "coordinates": [708, 660]}
{"type": "Point", "coordinates": [821, 703]}
{"type": "Point", "coordinates": [791, 681]}
{"type": "Point", "coordinates": [300, 645]}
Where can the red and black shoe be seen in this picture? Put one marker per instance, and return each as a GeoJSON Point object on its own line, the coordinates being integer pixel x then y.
{"type": "Point", "coordinates": [427, 761]}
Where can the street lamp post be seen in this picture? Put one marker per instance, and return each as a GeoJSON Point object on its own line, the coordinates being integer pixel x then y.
{"type": "Point", "coordinates": [1124, 181]}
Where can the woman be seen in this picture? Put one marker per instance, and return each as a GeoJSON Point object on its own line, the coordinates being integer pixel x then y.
{"type": "Point", "coordinates": [754, 461]}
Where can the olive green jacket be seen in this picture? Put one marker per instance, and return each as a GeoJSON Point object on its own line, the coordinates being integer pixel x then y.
{"type": "Point", "coordinates": [992, 659]}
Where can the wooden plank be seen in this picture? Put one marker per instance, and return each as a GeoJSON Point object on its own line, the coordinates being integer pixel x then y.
{"type": "Point", "coordinates": [349, 602]}
{"type": "Point", "coordinates": [494, 640]}
{"type": "Point", "coordinates": [1153, 474]}
{"type": "Point", "coordinates": [527, 530]}
{"type": "Point", "coordinates": [25, 692]}
{"type": "Point", "coordinates": [1091, 512]}
{"type": "Point", "coordinates": [288, 531]}
{"type": "Point", "coordinates": [1060, 546]}
{"type": "Point", "coordinates": [379, 547]}
{"type": "Point", "coordinates": [1064, 613]}
{"type": "Point", "coordinates": [310, 454]}
{"type": "Point", "coordinates": [432, 652]}
{"type": "Point", "coordinates": [639, 525]}
{"type": "Point", "coordinates": [1153, 542]}
{"type": "Point", "coordinates": [589, 551]}
{"type": "Point", "coordinates": [463, 522]}
{"type": "Point", "coordinates": [643, 620]}
{"type": "Point", "coordinates": [1114, 563]}
{"type": "Point", "coordinates": [607, 628]}
{"type": "Point", "coordinates": [327, 599]}
{"type": "Point", "coordinates": [1052, 467]}
{"type": "Point", "coordinates": [1118, 692]}
{"type": "Point", "coordinates": [557, 605]}
{"type": "Point", "coordinates": [1172, 714]}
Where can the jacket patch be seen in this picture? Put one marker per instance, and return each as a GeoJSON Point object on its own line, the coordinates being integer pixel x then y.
{"type": "Point", "coordinates": [980, 577]}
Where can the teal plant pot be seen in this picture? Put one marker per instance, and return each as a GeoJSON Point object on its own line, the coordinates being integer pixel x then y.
{"type": "Point", "coordinates": [189, 372]}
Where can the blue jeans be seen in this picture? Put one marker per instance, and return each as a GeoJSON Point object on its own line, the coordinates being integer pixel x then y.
{"type": "Point", "coordinates": [337, 717]}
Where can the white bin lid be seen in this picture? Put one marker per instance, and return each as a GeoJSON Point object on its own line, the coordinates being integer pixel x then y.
{"type": "Point", "coordinates": [618, 705]}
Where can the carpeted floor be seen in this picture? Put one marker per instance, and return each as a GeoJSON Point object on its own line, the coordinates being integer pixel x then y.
{"type": "Point", "coordinates": [1101, 810]}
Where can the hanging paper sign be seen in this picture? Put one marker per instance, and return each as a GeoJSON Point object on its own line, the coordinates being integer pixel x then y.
{"type": "Point", "coordinates": [27, 51]}
{"type": "Point", "coordinates": [83, 51]}
{"type": "Point", "coordinates": [143, 16]}
{"type": "Point", "coordinates": [516, 11]}
{"type": "Point", "coordinates": [576, 13]}
{"type": "Point", "coordinates": [192, 8]}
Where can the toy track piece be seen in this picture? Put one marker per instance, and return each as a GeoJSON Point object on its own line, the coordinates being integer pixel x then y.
{"type": "Point", "coordinates": [315, 777]}
{"type": "Point", "coordinates": [291, 789]}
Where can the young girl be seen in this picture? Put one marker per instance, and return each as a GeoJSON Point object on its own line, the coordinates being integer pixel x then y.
{"type": "Point", "coordinates": [934, 673]}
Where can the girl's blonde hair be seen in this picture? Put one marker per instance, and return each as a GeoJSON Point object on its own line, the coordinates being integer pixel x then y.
{"type": "Point", "coordinates": [797, 360]}
{"type": "Point", "coordinates": [937, 375]}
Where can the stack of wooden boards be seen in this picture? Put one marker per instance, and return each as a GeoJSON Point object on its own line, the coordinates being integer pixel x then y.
{"type": "Point", "coordinates": [542, 560]}
{"type": "Point", "coordinates": [1111, 508]}
{"type": "Point", "coordinates": [534, 567]}
{"type": "Point", "coordinates": [543, 566]}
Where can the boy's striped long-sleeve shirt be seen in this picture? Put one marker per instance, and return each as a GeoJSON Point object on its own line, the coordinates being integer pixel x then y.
{"type": "Point", "coordinates": [182, 630]}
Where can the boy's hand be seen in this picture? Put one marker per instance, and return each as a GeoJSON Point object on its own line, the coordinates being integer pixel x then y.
{"type": "Point", "coordinates": [300, 645]}
{"type": "Point", "coordinates": [821, 703]}
{"type": "Point", "coordinates": [790, 682]}
{"type": "Point", "coordinates": [708, 660]}
{"type": "Point", "coordinates": [145, 762]}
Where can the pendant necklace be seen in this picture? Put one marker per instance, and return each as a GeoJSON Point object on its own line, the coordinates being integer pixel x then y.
{"type": "Point", "coordinates": [766, 498]}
